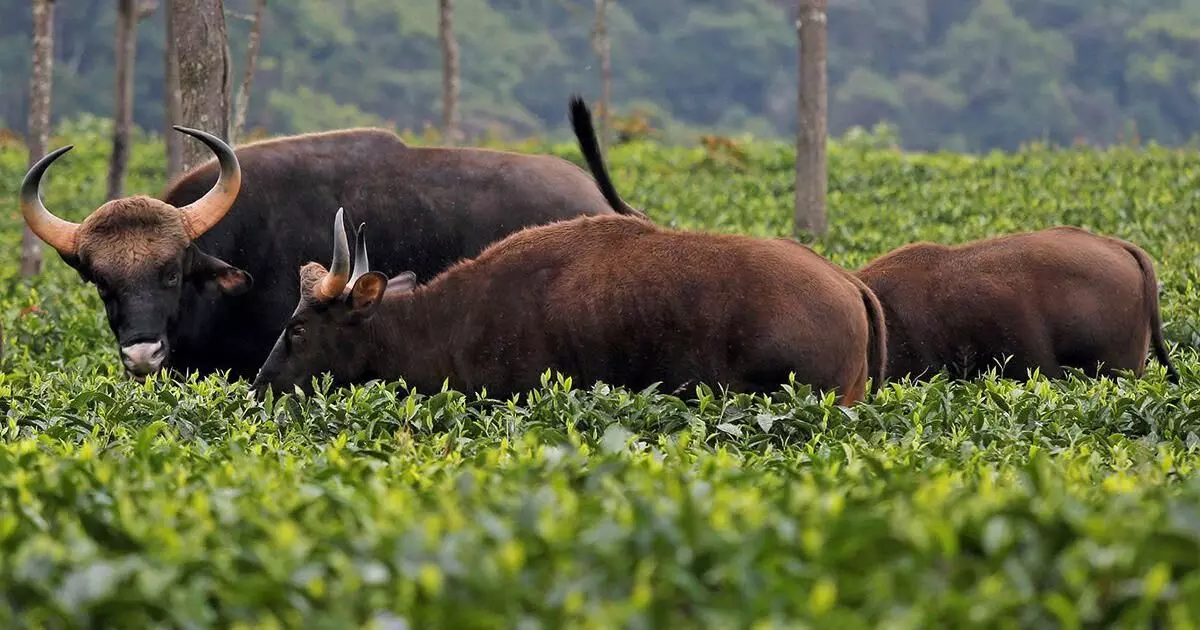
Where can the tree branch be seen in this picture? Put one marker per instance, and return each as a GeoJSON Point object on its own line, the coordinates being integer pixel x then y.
{"type": "Point", "coordinates": [126, 54]}
{"type": "Point", "coordinates": [242, 101]}
{"type": "Point", "coordinates": [812, 116]}
{"type": "Point", "coordinates": [172, 97]}
{"type": "Point", "coordinates": [450, 81]}
{"type": "Point", "coordinates": [600, 45]}
{"type": "Point", "coordinates": [41, 80]}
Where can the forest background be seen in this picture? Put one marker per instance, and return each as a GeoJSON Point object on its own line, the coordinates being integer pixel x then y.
{"type": "Point", "coordinates": [958, 75]}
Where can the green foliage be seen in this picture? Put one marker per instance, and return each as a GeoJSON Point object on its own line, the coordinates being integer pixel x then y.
{"type": "Point", "coordinates": [987, 503]}
{"type": "Point", "coordinates": [962, 75]}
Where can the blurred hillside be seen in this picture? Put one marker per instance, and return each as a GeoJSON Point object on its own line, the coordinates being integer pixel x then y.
{"type": "Point", "coordinates": [964, 75]}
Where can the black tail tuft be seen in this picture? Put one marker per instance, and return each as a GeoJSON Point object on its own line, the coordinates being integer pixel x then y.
{"type": "Point", "coordinates": [589, 145]}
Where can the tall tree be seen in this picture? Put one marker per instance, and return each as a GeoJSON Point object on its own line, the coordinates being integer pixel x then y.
{"type": "Point", "coordinates": [172, 108]}
{"type": "Point", "coordinates": [451, 126]}
{"type": "Point", "coordinates": [242, 103]}
{"type": "Point", "coordinates": [129, 13]}
{"type": "Point", "coordinates": [40, 81]}
{"type": "Point", "coordinates": [811, 111]}
{"type": "Point", "coordinates": [204, 77]}
{"type": "Point", "coordinates": [600, 44]}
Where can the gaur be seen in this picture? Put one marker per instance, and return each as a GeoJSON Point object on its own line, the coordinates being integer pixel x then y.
{"type": "Point", "coordinates": [1057, 298]}
{"type": "Point", "coordinates": [600, 298]}
{"type": "Point", "coordinates": [204, 279]}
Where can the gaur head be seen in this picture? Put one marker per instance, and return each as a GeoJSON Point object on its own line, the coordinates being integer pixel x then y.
{"type": "Point", "coordinates": [139, 252]}
{"type": "Point", "coordinates": [325, 333]}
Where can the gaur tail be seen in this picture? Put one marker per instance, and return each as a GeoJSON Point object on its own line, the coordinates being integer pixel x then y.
{"type": "Point", "coordinates": [1150, 291]}
{"type": "Point", "coordinates": [877, 349]}
{"type": "Point", "coordinates": [589, 144]}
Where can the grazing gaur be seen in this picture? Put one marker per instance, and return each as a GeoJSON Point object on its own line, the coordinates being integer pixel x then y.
{"type": "Point", "coordinates": [600, 298]}
{"type": "Point", "coordinates": [204, 279]}
{"type": "Point", "coordinates": [1056, 298]}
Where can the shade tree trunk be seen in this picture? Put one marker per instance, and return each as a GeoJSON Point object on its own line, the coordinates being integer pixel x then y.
{"type": "Point", "coordinates": [451, 124]}
{"type": "Point", "coordinates": [38, 129]}
{"type": "Point", "coordinates": [198, 31]}
{"type": "Point", "coordinates": [811, 111]}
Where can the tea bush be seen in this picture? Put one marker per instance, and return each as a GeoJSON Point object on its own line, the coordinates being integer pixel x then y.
{"type": "Point", "coordinates": [993, 503]}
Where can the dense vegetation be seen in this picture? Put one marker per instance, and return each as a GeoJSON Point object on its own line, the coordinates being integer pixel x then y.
{"type": "Point", "coordinates": [964, 75]}
{"type": "Point", "coordinates": [993, 502]}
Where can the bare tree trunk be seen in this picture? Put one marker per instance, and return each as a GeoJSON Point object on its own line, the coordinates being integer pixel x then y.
{"type": "Point", "coordinates": [172, 112]}
{"type": "Point", "coordinates": [450, 90]}
{"type": "Point", "coordinates": [204, 81]}
{"type": "Point", "coordinates": [600, 44]}
{"type": "Point", "coordinates": [242, 103]}
{"type": "Point", "coordinates": [41, 79]}
{"type": "Point", "coordinates": [125, 51]}
{"type": "Point", "coordinates": [811, 111]}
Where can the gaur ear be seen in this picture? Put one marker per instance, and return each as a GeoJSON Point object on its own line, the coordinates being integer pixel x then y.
{"type": "Point", "coordinates": [72, 261]}
{"type": "Point", "coordinates": [214, 276]}
{"type": "Point", "coordinates": [403, 283]}
{"type": "Point", "coordinates": [367, 291]}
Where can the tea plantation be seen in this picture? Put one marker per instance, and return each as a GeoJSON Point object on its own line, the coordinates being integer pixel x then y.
{"type": "Point", "coordinates": [993, 503]}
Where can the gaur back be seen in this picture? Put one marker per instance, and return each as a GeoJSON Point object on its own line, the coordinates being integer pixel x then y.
{"type": "Point", "coordinates": [611, 298]}
{"type": "Point", "coordinates": [1056, 298]}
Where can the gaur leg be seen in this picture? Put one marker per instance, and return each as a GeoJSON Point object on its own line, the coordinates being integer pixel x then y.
{"type": "Point", "coordinates": [1030, 344]}
{"type": "Point", "coordinates": [1122, 355]}
{"type": "Point", "coordinates": [856, 389]}
{"type": "Point", "coordinates": [1105, 347]}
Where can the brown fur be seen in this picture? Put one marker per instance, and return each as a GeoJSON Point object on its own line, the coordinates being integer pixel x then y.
{"type": "Point", "coordinates": [430, 206]}
{"type": "Point", "coordinates": [585, 134]}
{"type": "Point", "coordinates": [1056, 298]}
{"type": "Point", "coordinates": [608, 298]}
{"type": "Point", "coordinates": [126, 235]}
{"type": "Point", "coordinates": [877, 359]}
{"type": "Point", "coordinates": [296, 146]}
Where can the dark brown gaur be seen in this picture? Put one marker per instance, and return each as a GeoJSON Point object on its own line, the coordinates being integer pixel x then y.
{"type": "Point", "coordinates": [138, 251]}
{"type": "Point", "coordinates": [1057, 298]}
{"type": "Point", "coordinates": [604, 298]}
{"type": "Point", "coordinates": [174, 302]}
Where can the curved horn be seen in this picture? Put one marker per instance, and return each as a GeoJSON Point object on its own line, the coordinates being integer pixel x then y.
{"type": "Point", "coordinates": [361, 264]}
{"type": "Point", "coordinates": [203, 213]}
{"type": "Point", "coordinates": [56, 232]}
{"type": "Point", "coordinates": [335, 281]}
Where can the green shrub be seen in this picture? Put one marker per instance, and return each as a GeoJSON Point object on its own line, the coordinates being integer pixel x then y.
{"type": "Point", "coordinates": [990, 503]}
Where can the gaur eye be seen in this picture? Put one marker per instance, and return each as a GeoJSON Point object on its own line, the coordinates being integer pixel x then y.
{"type": "Point", "coordinates": [297, 331]}
{"type": "Point", "coordinates": [172, 278]}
